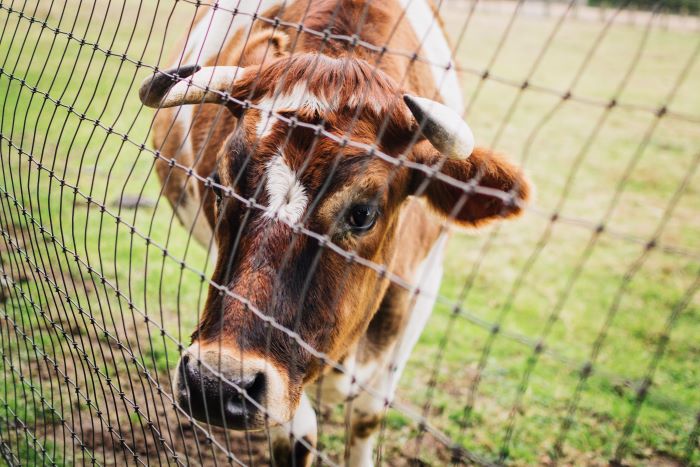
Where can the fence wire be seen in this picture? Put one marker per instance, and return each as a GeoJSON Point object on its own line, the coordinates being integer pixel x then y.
{"type": "Point", "coordinates": [566, 336]}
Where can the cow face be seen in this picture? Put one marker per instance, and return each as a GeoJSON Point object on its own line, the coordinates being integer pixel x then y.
{"type": "Point", "coordinates": [308, 187]}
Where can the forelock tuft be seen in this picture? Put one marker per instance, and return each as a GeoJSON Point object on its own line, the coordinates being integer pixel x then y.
{"type": "Point", "coordinates": [321, 83]}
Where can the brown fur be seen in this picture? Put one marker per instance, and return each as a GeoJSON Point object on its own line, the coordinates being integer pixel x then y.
{"type": "Point", "coordinates": [365, 426]}
{"type": "Point", "coordinates": [293, 454]}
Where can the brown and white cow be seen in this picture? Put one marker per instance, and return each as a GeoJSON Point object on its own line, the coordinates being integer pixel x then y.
{"type": "Point", "coordinates": [311, 146]}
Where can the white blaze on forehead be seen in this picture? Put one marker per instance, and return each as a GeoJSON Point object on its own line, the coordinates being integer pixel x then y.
{"type": "Point", "coordinates": [305, 99]}
{"type": "Point", "coordinates": [363, 100]}
{"type": "Point", "coordinates": [288, 199]}
{"type": "Point", "coordinates": [298, 98]}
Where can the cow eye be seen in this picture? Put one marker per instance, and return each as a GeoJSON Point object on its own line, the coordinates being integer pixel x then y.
{"type": "Point", "coordinates": [216, 187]}
{"type": "Point", "coordinates": [362, 217]}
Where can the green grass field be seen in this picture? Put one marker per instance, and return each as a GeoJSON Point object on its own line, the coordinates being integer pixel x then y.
{"type": "Point", "coordinates": [555, 282]}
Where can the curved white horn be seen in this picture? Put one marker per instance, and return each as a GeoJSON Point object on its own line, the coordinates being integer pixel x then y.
{"type": "Point", "coordinates": [442, 126]}
{"type": "Point", "coordinates": [192, 85]}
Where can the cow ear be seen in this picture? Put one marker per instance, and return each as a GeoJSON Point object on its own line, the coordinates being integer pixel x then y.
{"type": "Point", "coordinates": [491, 186]}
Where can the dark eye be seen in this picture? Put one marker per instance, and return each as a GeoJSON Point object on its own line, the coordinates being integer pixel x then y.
{"type": "Point", "coordinates": [362, 217]}
{"type": "Point", "coordinates": [216, 187]}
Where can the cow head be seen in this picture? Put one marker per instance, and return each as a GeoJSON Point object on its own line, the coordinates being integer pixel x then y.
{"type": "Point", "coordinates": [309, 185]}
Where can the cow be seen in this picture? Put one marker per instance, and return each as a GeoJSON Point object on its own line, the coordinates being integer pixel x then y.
{"type": "Point", "coordinates": [318, 149]}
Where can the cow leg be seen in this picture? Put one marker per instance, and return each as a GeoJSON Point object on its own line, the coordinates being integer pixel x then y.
{"type": "Point", "coordinates": [368, 410]}
{"type": "Point", "coordinates": [365, 420]}
{"type": "Point", "coordinates": [293, 443]}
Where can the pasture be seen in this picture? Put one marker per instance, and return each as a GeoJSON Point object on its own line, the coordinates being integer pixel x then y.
{"type": "Point", "coordinates": [569, 334]}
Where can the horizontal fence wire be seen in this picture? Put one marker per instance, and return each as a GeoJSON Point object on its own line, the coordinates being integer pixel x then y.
{"type": "Point", "coordinates": [102, 283]}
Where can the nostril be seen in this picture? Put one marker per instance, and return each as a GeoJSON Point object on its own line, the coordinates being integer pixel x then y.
{"type": "Point", "coordinates": [256, 388]}
{"type": "Point", "coordinates": [188, 383]}
{"type": "Point", "coordinates": [248, 388]}
{"type": "Point", "coordinates": [190, 373]}
{"type": "Point", "coordinates": [243, 393]}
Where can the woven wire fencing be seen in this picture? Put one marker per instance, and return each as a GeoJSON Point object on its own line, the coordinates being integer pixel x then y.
{"type": "Point", "coordinates": [567, 335]}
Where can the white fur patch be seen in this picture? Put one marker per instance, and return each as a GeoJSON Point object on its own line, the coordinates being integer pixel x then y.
{"type": "Point", "coordinates": [214, 30]}
{"type": "Point", "coordinates": [304, 99]}
{"type": "Point", "coordinates": [436, 50]}
{"type": "Point", "coordinates": [362, 451]}
{"type": "Point", "coordinates": [360, 100]}
{"type": "Point", "coordinates": [288, 199]}
{"type": "Point", "coordinates": [299, 98]}
{"type": "Point", "coordinates": [219, 25]}
{"type": "Point", "coordinates": [427, 278]}
{"type": "Point", "coordinates": [302, 424]}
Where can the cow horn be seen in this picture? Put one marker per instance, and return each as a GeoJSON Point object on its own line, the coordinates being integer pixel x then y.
{"type": "Point", "coordinates": [189, 84]}
{"type": "Point", "coordinates": [442, 126]}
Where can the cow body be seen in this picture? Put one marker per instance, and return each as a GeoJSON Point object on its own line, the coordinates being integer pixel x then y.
{"type": "Point", "coordinates": [369, 334]}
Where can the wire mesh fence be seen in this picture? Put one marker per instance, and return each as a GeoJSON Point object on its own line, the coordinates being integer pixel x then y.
{"type": "Point", "coordinates": [246, 274]}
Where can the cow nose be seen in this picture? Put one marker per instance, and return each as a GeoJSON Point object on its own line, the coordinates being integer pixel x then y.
{"type": "Point", "coordinates": [220, 399]}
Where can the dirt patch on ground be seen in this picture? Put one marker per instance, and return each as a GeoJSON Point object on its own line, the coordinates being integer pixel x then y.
{"type": "Point", "coordinates": [72, 402]}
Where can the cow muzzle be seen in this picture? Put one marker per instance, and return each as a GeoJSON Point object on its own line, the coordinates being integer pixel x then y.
{"type": "Point", "coordinates": [223, 387]}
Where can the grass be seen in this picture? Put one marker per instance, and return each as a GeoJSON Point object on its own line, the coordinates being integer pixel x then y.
{"type": "Point", "coordinates": [572, 281]}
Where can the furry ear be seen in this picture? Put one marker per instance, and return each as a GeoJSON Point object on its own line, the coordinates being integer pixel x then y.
{"type": "Point", "coordinates": [484, 168]}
